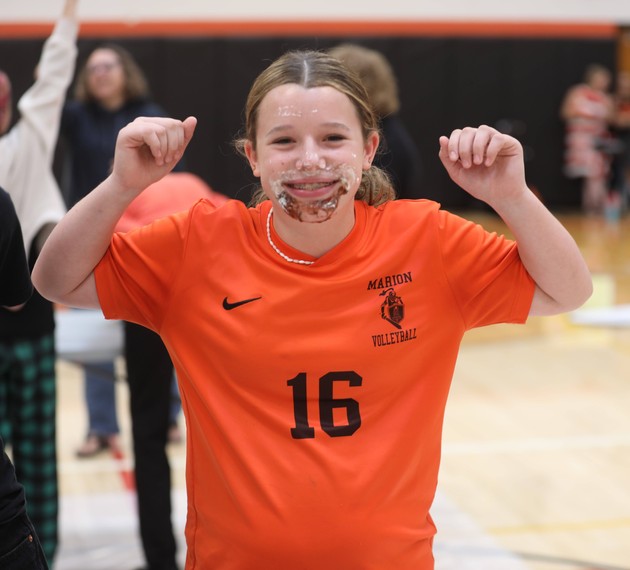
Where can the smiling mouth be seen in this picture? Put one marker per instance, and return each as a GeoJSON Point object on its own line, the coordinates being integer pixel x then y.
{"type": "Point", "coordinates": [311, 187]}
{"type": "Point", "coordinates": [316, 205]}
{"type": "Point", "coordinates": [313, 197]}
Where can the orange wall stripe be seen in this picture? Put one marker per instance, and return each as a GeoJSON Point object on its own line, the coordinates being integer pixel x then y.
{"type": "Point", "coordinates": [320, 28]}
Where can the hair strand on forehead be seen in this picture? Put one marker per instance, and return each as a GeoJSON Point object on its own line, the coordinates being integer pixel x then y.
{"type": "Point", "coordinates": [306, 72]}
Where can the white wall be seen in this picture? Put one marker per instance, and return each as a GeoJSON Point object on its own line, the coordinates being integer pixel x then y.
{"type": "Point", "coordinates": [582, 11]}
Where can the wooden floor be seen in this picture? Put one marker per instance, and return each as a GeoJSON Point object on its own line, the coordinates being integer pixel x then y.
{"type": "Point", "coordinates": [536, 460]}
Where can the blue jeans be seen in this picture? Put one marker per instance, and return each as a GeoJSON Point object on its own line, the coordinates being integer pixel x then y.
{"type": "Point", "coordinates": [100, 394]}
{"type": "Point", "coordinates": [176, 402]}
{"type": "Point", "coordinates": [19, 546]}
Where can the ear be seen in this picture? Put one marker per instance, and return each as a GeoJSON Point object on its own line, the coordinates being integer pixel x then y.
{"type": "Point", "coordinates": [250, 153]}
{"type": "Point", "coordinates": [370, 148]}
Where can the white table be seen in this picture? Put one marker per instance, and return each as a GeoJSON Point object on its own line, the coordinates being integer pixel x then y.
{"type": "Point", "coordinates": [84, 336]}
{"type": "Point", "coordinates": [617, 316]}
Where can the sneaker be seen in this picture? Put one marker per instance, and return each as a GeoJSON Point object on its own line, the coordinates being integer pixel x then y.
{"type": "Point", "coordinates": [95, 444]}
{"type": "Point", "coordinates": [174, 434]}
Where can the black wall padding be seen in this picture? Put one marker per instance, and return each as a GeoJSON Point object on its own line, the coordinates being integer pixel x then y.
{"type": "Point", "coordinates": [445, 83]}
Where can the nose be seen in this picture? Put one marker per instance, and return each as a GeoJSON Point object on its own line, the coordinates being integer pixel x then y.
{"type": "Point", "coordinates": [310, 159]}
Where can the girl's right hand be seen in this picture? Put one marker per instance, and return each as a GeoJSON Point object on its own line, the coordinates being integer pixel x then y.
{"type": "Point", "coordinates": [149, 148]}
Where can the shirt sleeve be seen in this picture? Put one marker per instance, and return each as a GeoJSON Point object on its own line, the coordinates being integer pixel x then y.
{"type": "Point", "coordinates": [484, 270]}
{"type": "Point", "coordinates": [41, 106]}
{"type": "Point", "coordinates": [135, 278]}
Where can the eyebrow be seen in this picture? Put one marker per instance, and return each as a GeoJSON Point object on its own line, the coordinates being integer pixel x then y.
{"type": "Point", "coordinates": [330, 125]}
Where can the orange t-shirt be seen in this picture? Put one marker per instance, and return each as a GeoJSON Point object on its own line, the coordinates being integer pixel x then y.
{"type": "Point", "coordinates": [314, 395]}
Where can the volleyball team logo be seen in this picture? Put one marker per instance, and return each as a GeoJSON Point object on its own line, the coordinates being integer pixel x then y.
{"type": "Point", "coordinates": [392, 308]}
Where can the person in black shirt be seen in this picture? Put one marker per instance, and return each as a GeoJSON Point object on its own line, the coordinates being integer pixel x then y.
{"type": "Point", "coordinates": [28, 382]}
{"type": "Point", "coordinates": [110, 91]}
{"type": "Point", "coordinates": [20, 548]}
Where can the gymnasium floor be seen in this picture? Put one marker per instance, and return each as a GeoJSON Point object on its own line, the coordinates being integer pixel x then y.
{"type": "Point", "coordinates": [536, 459]}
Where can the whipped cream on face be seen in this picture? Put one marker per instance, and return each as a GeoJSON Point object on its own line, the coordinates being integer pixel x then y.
{"type": "Point", "coordinates": [314, 210]}
{"type": "Point", "coordinates": [289, 111]}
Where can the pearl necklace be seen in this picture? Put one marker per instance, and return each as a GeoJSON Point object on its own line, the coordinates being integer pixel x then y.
{"type": "Point", "coordinates": [277, 250]}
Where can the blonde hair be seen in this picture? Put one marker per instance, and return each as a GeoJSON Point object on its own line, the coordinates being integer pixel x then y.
{"type": "Point", "coordinates": [376, 74]}
{"type": "Point", "coordinates": [317, 69]}
{"type": "Point", "coordinates": [136, 85]}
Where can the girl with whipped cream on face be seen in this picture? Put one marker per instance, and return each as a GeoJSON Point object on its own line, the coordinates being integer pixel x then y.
{"type": "Point", "coordinates": [314, 333]}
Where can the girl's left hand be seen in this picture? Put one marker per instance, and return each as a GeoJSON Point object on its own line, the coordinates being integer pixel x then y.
{"type": "Point", "coordinates": [487, 164]}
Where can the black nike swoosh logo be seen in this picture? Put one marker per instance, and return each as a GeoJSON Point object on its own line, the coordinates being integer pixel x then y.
{"type": "Point", "coordinates": [229, 306]}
